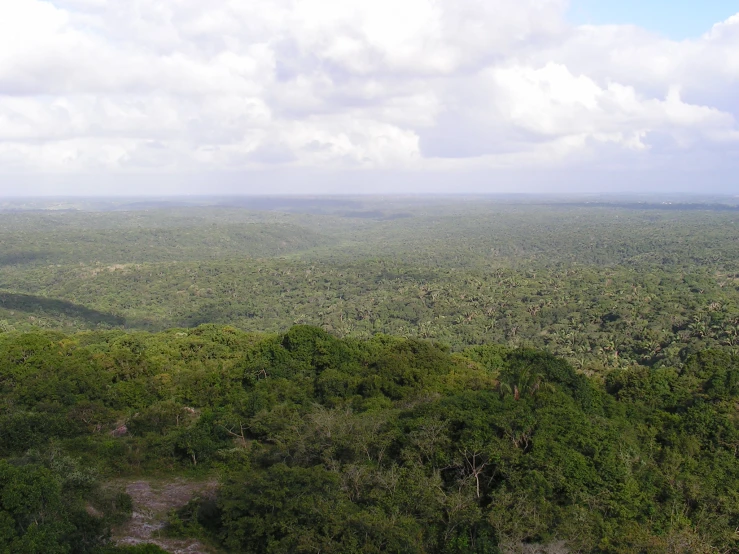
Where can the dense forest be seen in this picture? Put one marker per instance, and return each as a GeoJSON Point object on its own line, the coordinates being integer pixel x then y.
{"type": "Point", "coordinates": [373, 375]}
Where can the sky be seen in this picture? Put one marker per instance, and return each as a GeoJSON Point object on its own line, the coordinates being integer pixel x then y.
{"type": "Point", "coordinates": [674, 19]}
{"type": "Point", "coordinates": [162, 97]}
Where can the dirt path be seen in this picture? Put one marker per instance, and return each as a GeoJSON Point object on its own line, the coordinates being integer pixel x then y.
{"type": "Point", "coordinates": [152, 502]}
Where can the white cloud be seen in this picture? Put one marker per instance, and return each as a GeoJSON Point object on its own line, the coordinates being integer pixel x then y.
{"type": "Point", "coordinates": [96, 86]}
{"type": "Point", "coordinates": [551, 101]}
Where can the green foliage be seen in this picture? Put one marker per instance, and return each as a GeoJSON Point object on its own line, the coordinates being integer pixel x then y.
{"type": "Point", "coordinates": [588, 398]}
{"type": "Point", "coordinates": [602, 286]}
{"type": "Point", "coordinates": [41, 509]}
{"type": "Point", "coordinates": [389, 444]}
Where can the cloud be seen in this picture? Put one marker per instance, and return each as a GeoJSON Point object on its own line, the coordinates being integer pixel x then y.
{"type": "Point", "coordinates": [108, 88]}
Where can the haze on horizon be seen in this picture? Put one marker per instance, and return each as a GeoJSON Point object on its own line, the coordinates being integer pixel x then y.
{"type": "Point", "coordinates": [349, 96]}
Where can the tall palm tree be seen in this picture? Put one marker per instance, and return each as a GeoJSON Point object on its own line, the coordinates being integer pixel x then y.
{"type": "Point", "coordinates": [522, 381]}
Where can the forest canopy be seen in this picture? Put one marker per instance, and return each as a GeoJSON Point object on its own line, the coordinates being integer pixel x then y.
{"type": "Point", "coordinates": [380, 445]}
{"type": "Point", "coordinates": [435, 376]}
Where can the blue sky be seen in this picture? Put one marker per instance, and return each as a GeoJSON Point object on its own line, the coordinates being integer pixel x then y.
{"type": "Point", "coordinates": [676, 19]}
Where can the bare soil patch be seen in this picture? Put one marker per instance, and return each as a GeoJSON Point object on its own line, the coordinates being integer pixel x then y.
{"type": "Point", "coordinates": [153, 500]}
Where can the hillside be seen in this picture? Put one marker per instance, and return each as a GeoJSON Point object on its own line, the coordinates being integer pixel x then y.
{"type": "Point", "coordinates": [384, 445]}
